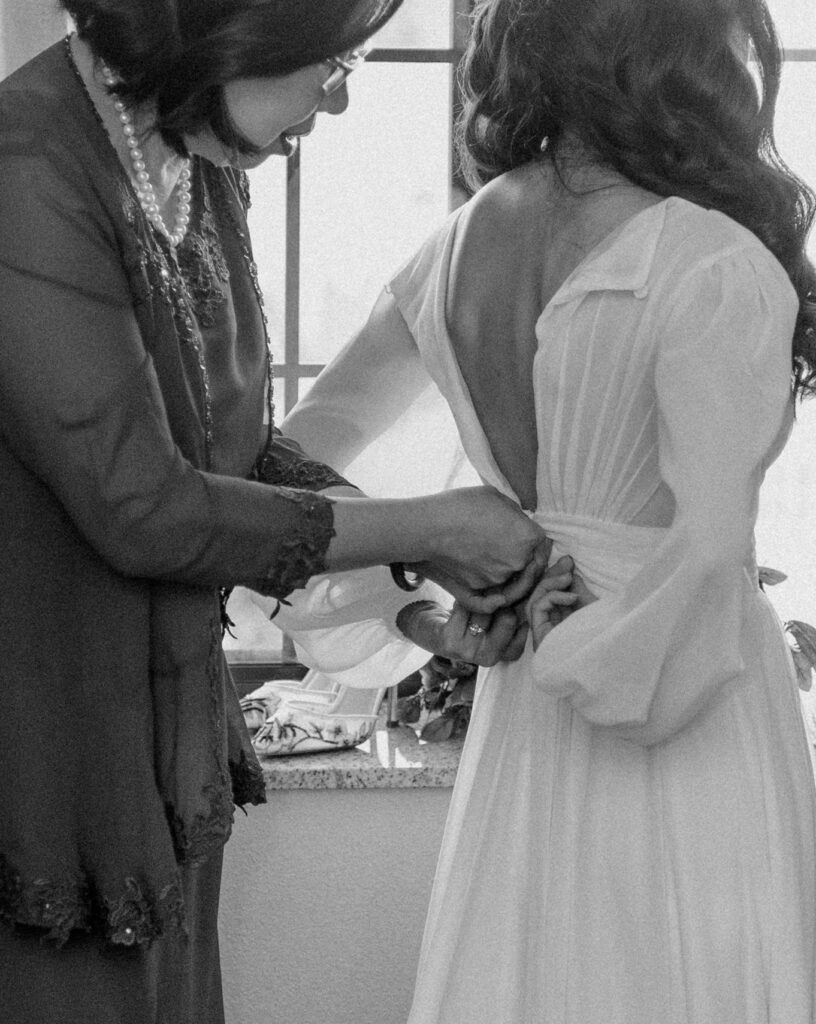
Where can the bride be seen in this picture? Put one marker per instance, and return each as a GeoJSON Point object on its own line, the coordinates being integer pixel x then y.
{"type": "Point", "coordinates": [613, 320]}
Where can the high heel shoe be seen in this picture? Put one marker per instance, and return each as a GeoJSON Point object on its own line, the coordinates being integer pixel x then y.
{"type": "Point", "coordinates": [259, 705]}
{"type": "Point", "coordinates": [317, 717]}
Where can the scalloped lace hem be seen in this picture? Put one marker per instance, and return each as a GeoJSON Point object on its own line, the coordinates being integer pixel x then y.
{"type": "Point", "coordinates": [135, 916]}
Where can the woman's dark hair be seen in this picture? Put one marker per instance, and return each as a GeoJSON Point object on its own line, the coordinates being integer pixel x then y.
{"type": "Point", "coordinates": [656, 90]}
{"type": "Point", "coordinates": [179, 54]}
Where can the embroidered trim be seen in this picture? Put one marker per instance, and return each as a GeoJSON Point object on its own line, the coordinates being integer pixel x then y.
{"type": "Point", "coordinates": [60, 906]}
{"type": "Point", "coordinates": [135, 917]}
{"type": "Point", "coordinates": [243, 189]}
{"type": "Point", "coordinates": [194, 841]}
{"type": "Point", "coordinates": [283, 468]}
{"type": "Point", "coordinates": [303, 555]}
{"type": "Point", "coordinates": [248, 785]}
{"type": "Point", "coordinates": [163, 276]}
{"type": "Point", "coordinates": [203, 266]}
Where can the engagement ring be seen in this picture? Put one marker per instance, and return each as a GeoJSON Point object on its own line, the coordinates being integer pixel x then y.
{"type": "Point", "coordinates": [474, 629]}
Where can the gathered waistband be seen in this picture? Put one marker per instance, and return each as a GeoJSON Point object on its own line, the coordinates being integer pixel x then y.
{"type": "Point", "coordinates": [606, 553]}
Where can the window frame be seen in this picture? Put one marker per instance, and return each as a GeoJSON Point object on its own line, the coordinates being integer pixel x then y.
{"type": "Point", "coordinates": [290, 371]}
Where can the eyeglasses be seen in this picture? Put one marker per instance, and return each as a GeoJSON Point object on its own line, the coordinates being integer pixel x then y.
{"type": "Point", "coordinates": [342, 67]}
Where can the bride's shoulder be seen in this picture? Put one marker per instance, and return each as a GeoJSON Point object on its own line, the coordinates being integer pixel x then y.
{"type": "Point", "coordinates": [510, 197]}
{"type": "Point", "coordinates": [497, 226]}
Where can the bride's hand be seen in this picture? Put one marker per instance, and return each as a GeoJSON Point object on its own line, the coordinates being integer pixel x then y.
{"type": "Point", "coordinates": [460, 635]}
{"type": "Point", "coordinates": [555, 598]}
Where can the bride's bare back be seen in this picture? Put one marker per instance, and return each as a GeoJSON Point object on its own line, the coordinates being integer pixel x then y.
{"type": "Point", "coordinates": [522, 238]}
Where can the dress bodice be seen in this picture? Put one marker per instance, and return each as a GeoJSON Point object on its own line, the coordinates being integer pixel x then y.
{"type": "Point", "coordinates": [596, 342]}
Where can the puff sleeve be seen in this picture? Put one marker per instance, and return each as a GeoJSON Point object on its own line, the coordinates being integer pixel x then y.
{"type": "Point", "coordinates": [648, 659]}
{"type": "Point", "coordinates": [342, 624]}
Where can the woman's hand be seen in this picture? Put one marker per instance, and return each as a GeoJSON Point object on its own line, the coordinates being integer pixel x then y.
{"type": "Point", "coordinates": [483, 549]}
{"type": "Point", "coordinates": [474, 542]}
{"type": "Point", "coordinates": [560, 592]}
{"type": "Point", "coordinates": [459, 635]}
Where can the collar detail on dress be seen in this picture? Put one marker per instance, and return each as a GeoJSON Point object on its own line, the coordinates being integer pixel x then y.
{"type": "Point", "coordinates": [621, 262]}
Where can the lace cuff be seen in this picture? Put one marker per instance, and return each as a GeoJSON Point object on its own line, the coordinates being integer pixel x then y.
{"type": "Point", "coordinates": [284, 464]}
{"type": "Point", "coordinates": [303, 554]}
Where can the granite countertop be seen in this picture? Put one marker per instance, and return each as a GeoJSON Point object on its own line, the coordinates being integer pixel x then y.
{"type": "Point", "coordinates": [393, 758]}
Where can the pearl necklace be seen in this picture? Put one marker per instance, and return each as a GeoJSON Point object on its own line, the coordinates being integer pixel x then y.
{"type": "Point", "coordinates": [145, 192]}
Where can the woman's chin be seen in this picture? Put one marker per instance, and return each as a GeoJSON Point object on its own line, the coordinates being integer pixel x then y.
{"type": "Point", "coordinates": [283, 145]}
{"type": "Point", "coordinates": [218, 154]}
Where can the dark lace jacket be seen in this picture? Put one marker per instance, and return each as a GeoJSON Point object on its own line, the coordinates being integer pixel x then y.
{"type": "Point", "coordinates": [135, 469]}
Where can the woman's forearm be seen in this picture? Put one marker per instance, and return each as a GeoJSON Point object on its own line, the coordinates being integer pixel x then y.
{"type": "Point", "coordinates": [467, 539]}
{"type": "Point", "coordinates": [376, 531]}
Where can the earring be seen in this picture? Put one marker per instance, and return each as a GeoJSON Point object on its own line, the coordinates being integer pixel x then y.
{"type": "Point", "coordinates": [544, 143]}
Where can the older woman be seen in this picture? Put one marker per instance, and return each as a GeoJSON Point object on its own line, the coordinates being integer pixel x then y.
{"type": "Point", "coordinates": [139, 481]}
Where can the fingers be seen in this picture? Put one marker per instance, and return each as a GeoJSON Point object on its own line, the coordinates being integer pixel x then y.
{"type": "Point", "coordinates": [563, 565]}
{"type": "Point", "coordinates": [473, 635]}
{"type": "Point", "coordinates": [501, 636]}
{"type": "Point", "coordinates": [519, 586]}
{"type": "Point", "coordinates": [524, 583]}
{"type": "Point", "coordinates": [478, 623]}
{"type": "Point", "coordinates": [482, 639]}
{"type": "Point", "coordinates": [515, 648]}
{"type": "Point", "coordinates": [585, 595]}
{"type": "Point", "coordinates": [558, 578]}
{"type": "Point", "coordinates": [541, 553]}
{"type": "Point", "coordinates": [545, 613]}
{"type": "Point", "coordinates": [464, 623]}
{"type": "Point", "coordinates": [483, 602]}
{"type": "Point", "coordinates": [542, 605]}
{"type": "Point", "coordinates": [471, 597]}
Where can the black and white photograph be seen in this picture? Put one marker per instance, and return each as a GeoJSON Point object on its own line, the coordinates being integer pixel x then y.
{"type": "Point", "coordinates": [407, 512]}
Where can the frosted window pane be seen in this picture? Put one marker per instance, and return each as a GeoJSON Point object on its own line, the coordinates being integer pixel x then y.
{"type": "Point", "coordinates": [784, 534]}
{"type": "Point", "coordinates": [795, 21]}
{"type": "Point", "coordinates": [305, 386]}
{"type": "Point", "coordinates": [375, 183]}
{"type": "Point", "coordinates": [795, 118]}
{"type": "Point", "coordinates": [419, 24]}
{"type": "Point", "coordinates": [267, 225]}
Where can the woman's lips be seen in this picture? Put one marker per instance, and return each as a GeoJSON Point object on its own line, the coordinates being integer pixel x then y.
{"type": "Point", "coordinates": [299, 131]}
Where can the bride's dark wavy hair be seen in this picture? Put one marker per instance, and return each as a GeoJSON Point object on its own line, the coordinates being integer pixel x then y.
{"type": "Point", "coordinates": [656, 89]}
{"type": "Point", "coordinates": [179, 54]}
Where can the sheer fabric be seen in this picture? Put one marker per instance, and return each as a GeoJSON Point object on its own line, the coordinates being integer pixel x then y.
{"type": "Point", "coordinates": [631, 835]}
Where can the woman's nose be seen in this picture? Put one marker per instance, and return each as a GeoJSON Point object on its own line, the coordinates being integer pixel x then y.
{"type": "Point", "coordinates": [336, 102]}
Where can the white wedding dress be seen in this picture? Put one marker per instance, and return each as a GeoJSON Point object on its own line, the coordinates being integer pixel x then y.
{"type": "Point", "coordinates": [631, 838]}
